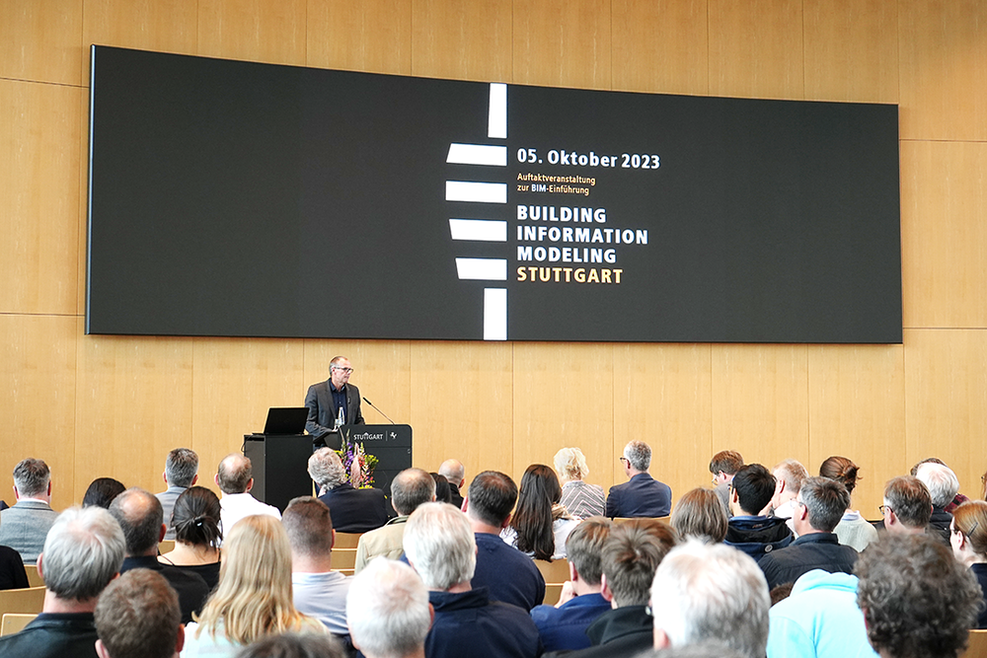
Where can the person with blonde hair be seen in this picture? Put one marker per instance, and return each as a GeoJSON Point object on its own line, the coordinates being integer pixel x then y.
{"type": "Point", "coordinates": [699, 514]}
{"type": "Point", "coordinates": [968, 537]}
{"type": "Point", "coordinates": [581, 499]}
{"type": "Point", "coordinates": [254, 596]}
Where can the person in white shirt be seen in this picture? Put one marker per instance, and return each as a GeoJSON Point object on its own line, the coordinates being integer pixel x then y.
{"type": "Point", "coordinates": [235, 479]}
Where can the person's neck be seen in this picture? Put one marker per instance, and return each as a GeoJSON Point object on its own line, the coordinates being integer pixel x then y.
{"type": "Point", "coordinates": [581, 588]}
{"type": "Point", "coordinates": [311, 564]}
{"type": "Point", "coordinates": [56, 605]}
{"type": "Point", "coordinates": [459, 588]}
{"type": "Point", "coordinates": [190, 554]}
{"type": "Point", "coordinates": [483, 527]}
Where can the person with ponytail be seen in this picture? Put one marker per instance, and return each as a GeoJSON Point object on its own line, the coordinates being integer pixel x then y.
{"type": "Point", "coordinates": [196, 519]}
{"type": "Point", "coordinates": [852, 530]}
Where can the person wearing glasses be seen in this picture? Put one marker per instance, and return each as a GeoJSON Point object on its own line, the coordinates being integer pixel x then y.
{"type": "Point", "coordinates": [333, 400]}
{"type": "Point", "coordinates": [907, 506]}
{"type": "Point", "coordinates": [641, 495]}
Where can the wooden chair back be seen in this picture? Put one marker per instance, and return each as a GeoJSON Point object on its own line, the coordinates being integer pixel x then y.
{"type": "Point", "coordinates": [555, 572]}
{"type": "Point", "coordinates": [343, 558]}
{"type": "Point", "coordinates": [552, 593]}
{"type": "Point", "coordinates": [33, 577]}
{"type": "Point", "coordinates": [14, 622]}
{"type": "Point", "coordinates": [978, 645]}
{"type": "Point", "coordinates": [29, 600]}
{"type": "Point", "coordinates": [347, 540]}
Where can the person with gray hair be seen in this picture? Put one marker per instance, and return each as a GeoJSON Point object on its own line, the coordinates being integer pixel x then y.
{"type": "Point", "coordinates": [181, 472]}
{"type": "Point", "coordinates": [235, 479]}
{"type": "Point", "coordinates": [137, 616]}
{"type": "Point", "coordinates": [440, 545]}
{"type": "Point", "coordinates": [353, 510]}
{"type": "Point", "coordinates": [820, 506]}
{"type": "Point", "coordinates": [907, 506]}
{"type": "Point", "coordinates": [710, 592]}
{"type": "Point", "coordinates": [943, 485]}
{"type": "Point", "coordinates": [454, 471]}
{"type": "Point", "coordinates": [641, 495]}
{"type": "Point", "coordinates": [916, 598]}
{"type": "Point", "coordinates": [388, 612]}
{"type": "Point", "coordinates": [409, 489]}
{"type": "Point", "coordinates": [24, 526]}
{"type": "Point", "coordinates": [139, 514]}
{"type": "Point", "coordinates": [82, 553]}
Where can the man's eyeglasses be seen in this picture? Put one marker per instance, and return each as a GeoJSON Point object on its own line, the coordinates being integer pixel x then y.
{"type": "Point", "coordinates": [885, 508]}
{"type": "Point", "coordinates": [346, 370]}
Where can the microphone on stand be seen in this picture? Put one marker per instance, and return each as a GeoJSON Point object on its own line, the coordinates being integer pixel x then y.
{"type": "Point", "coordinates": [379, 411]}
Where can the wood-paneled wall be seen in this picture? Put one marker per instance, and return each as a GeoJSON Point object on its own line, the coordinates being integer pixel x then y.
{"type": "Point", "coordinates": [94, 406]}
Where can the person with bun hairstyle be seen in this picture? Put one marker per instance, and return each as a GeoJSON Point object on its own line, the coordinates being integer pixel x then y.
{"type": "Point", "coordinates": [968, 537]}
{"type": "Point", "coordinates": [852, 530]}
{"type": "Point", "coordinates": [196, 518]}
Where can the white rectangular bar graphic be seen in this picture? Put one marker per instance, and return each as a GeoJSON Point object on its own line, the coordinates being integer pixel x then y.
{"type": "Point", "coordinates": [477, 154]}
{"type": "Point", "coordinates": [497, 116]}
{"type": "Point", "coordinates": [482, 269]}
{"type": "Point", "coordinates": [495, 314]}
{"type": "Point", "coordinates": [476, 192]}
{"type": "Point", "coordinates": [483, 230]}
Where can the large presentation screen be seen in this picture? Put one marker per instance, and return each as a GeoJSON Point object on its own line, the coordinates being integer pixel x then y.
{"type": "Point", "coordinates": [241, 199]}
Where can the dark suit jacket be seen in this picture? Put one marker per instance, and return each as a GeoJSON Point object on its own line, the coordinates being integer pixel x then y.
{"type": "Point", "coordinates": [322, 412]}
{"type": "Point", "coordinates": [355, 510]}
{"type": "Point", "coordinates": [191, 588]}
{"type": "Point", "coordinates": [641, 496]}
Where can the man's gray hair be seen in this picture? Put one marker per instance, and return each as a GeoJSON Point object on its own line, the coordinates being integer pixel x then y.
{"type": "Point", "coordinates": [793, 473]}
{"type": "Point", "coordinates": [638, 453]}
{"type": "Point", "coordinates": [705, 592]}
{"type": "Point", "coordinates": [440, 545]}
{"type": "Point", "coordinates": [83, 552]}
{"type": "Point", "coordinates": [410, 488]}
{"type": "Point", "coordinates": [31, 477]}
{"type": "Point", "coordinates": [941, 481]}
{"type": "Point", "coordinates": [826, 501]}
{"type": "Point", "coordinates": [326, 468]}
{"type": "Point", "coordinates": [387, 610]}
{"type": "Point", "coordinates": [181, 467]}
{"type": "Point", "coordinates": [453, 470]}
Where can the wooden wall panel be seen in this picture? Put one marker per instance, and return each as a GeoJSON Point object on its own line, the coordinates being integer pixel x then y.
{"type": "Point", "coordinates": [851, 50]}
{"type": "Point", "coordinates": [255, 30]}
{"type": "Point", "coordinates": [857, 410]}
{"type": "Point", "coordinates": [38, 393]}
{"type": "Point", "coordinates": [943, 66]}
{"type": "Point", "coordinates": [663, 396]}
{"type": "Point", "coordinates": [755, 48]}
{"type": "Point", "coordinates": [163, 25]}
{"type": "Point", "coordinates": [462, 405]}
{"type": "Point", "coordinates": [562, 43]}
{"type": "Point", "coordinates": [234, 382]}
{"type": "Point", "coordinates": [660, 46]}
{"type": "Point", "coordinates": [40, 40]}
{"type": "Point", "coordinates": [946, 401]}
{"type": "Point", "coordinates": [468, 41]}
{"type": "Point", "coordinates": [760, 402]}
{"type": "Point", "coordinates": [134, 404]}
{"type": "Point", "coordinates": [372, 36]}
{"type": "Point", "coordinates": [944, 234]}
{"type": "Point", "coordinates": [40, 161]}
{"type": "Point", "coordinates": [563, 396]}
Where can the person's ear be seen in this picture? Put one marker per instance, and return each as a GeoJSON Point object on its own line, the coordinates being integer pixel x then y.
{"type": "Point", "coordinates": [661, 639]}
{"type": "Point", "coordinates": [195, 478]}
{"type": "Point", "coordinates": [180, 639]}
{"type": "Point", "coordinates": [573, 573]}
{"type": "Point", "coordinates": [605, 591]}
{"type": "Point", "coordinates": [101, 650]}
{"type": "Point", "coordinates": [164, 476]}
{"type": "Point", "coordinates": [507, 521]}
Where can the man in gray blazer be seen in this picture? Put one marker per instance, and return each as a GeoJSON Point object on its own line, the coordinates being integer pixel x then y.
{"type": "Point", "coordinates": [24, 526]}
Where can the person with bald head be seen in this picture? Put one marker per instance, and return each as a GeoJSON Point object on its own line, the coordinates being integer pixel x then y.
{"type": "Point", "coordinates": [454, 471]}
{"type": "Point", "coordinates": [141, 518]}
{"type": "Point", "coordinates": [235, 479]}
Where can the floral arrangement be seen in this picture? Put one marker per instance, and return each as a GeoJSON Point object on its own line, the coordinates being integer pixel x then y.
{"type": "Point", "coordinates": [358, 465]}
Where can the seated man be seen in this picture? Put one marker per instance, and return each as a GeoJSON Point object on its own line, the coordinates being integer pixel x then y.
{"type": "Point", "coordinates": [564, 626]}
{"type": "Point", "coordinates": [907, 506]}
{"type": "Point", "coordinates": [181, 472]}
{"type": "Point", "coordinates": [388, 611]}
{"type": "Point", "coordinates": [82, 554]}
{"type": "Point", "coordinates": [139, 514]}
{"type": "Point", "coordinates": [630, 557]}
{"type": "Point", "coordinates": [137, 616]}
{"type": "Point", "coordinates": [24, 526]}
{"type": "Point", "coordinates": [508, 574]}
{"type": "Point", "coordinates": [723, 466]}
{"type": "Point", "coordinates": [454, 471]}
{"type": "Point", "coordinates": [353, 510]}
{"type": "Point", "coordinates": [440, 545]}
{"type": "Point", "coordinates": [710, 593]}
{"type": "Point", "coordinates": [917, 599]}
{"type": "Point", "coordinates": [821, 502]}
{"type": "Point", "coordinates": [318, 591]}
{"type": "Point", "coordinates": [789, 476]}
{"type": "Point", "coordinates": [235, 479]}
{"type": "Point", "coordinates": [753, 486]}
{"type": "Point", "coordinates": [409, 489]}
{"type": "Point", "coordinates": [943, 485]}
{"type": "Point", "coordinates": [641, 495]}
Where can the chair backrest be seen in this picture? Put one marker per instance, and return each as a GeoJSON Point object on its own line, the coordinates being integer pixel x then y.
{"type": "Point", "coordinates": [347, 539]}
{"type": "Point", "coordinates": [34, 579]}
{"type": "Point", "coordinates": [166, 546]}
{"type": "Point", "coordinates": [553, 591]}
{"type": "Point", "coordinates": [28, 600]}
{"type": "Point", "coordinates": [553, 572]}
{"type": "Point", "coordinates": [14, 622]}
{"type": "Point", "coordinates": [343, 558]}
{"type": "Point", "coordinates": [623, 519]}
{"type": "Point", "coordinates": [978, 645]}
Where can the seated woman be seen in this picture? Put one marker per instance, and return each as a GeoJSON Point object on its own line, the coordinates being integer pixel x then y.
{"type": "Point", "coordinates": [699, 514]}
{"type": "Point", "coordinates": [968, 537]}
{"type": "Point", "coordinates": [582, 500]}
{"type": "Point", "coordinates": [540, 524]}
{"type": "Point", "coordinates": [852, 530]}
{"type": "Point", "coordinates": [12, 572]}
{"type": "Point", "coordinates": [253, 599]}
{"type": "Point", "coordinates": [101, 492]}
{"type": "Point", "coordinates": [196, 518]}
